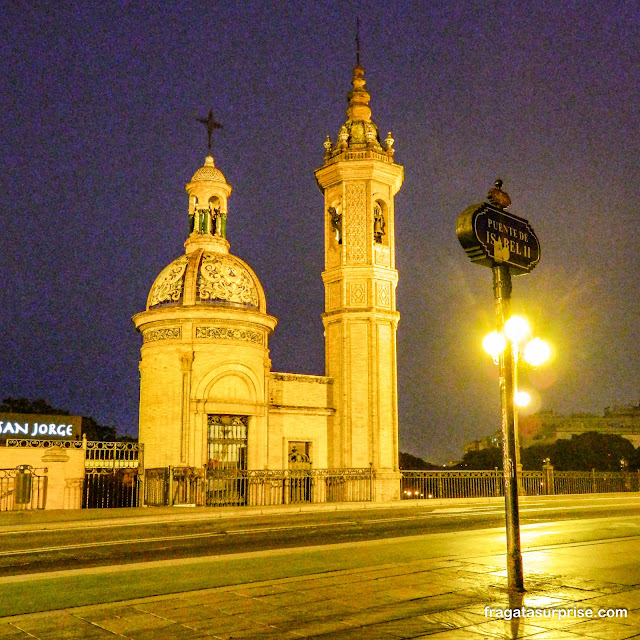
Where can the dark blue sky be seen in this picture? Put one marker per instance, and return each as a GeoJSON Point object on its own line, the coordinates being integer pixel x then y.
{"type": "Point", "coordinates": [98, 102]}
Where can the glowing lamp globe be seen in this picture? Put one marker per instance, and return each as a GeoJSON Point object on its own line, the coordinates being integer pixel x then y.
{"type": "Point", "coordinates": [494, 344]}
{"type": "Point", "coordinates": [516, 328]}
{"type": "Point", "coordinates": [536, 352]}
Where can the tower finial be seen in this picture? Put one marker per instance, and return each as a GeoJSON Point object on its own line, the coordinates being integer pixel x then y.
{"type": "Point", "coordinates": [211, 124]}
{"type": "Point", "coordinates": [358, 97]}
{"type": "Point", "coordinates": [358, 40]}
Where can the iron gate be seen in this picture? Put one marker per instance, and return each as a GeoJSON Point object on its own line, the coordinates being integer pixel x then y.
{"type": "Point", "coordinates": [110, 488]}
{"type": "Point", "coordinates": [227, 441]}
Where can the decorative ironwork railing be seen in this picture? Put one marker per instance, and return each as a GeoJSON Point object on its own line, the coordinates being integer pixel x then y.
{"type": "Point", "coordinates": [216, 488]}
{"type": "Point", "coordinates": [113, 455]}
{"type": "Point", "coordinates": [23, 488]}
{"type": "Point", "coordinates": [567, 482]}
{"type": "Point", "coordinates": [450, 484]}
{"type": "Point", "coordinates": [43, 444]}
{"type": "Point", "coordinates": [98, 454]}
{"type": "Point", "coordinates": [483, 484]}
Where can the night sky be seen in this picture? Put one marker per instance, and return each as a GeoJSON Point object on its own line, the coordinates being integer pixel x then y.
{"type": "Point", "coordinates": [98, 106]}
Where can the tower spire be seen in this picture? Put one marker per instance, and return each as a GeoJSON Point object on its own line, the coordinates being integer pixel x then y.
{"type": "Point", "coordinates": [208, 192]}
{"type": "Point", "coordinates": [358, 41]}
{"type": "Point", "coordinates": [359, 97]}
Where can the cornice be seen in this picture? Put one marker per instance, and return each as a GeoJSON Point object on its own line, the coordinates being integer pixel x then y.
{"type": "Point", "coordinates": [368, 169]}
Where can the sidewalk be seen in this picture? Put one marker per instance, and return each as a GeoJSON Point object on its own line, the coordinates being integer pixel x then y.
{"type": "Point", "coordinates": [438, 598]}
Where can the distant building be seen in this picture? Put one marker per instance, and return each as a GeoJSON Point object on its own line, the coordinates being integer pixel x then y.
{"type": "Point", "coordinates": [546, 427]}
{"type": "Point", "coordinates": [487, 442]}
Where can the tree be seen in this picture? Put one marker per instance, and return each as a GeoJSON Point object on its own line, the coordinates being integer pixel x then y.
{"type": "Point", "coordinates": [583, 452]}
{"type": "Point", "coordinates": [532, 458]}
{"type": "Point", "coordinates": [592, 450]}
{"type": "Point", "coordinates": [413, 463]}
{"type": "Point", "coordinates": [24, 405]}
{"type": "Point", "coordinates": [483, 459]}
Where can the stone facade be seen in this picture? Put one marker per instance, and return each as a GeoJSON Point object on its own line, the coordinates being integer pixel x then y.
{"type": "Point", "coordinates": [64, 469]}
{"type": "Point", "coordinates": [359, 181]}
{"type": "Point", "coordinates": [207, 392]}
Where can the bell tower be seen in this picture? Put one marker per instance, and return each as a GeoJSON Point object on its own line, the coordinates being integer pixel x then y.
{"type": "Point", "coordinates": [359, 181]}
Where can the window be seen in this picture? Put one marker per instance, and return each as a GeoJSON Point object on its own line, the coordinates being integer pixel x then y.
{"type": "Point", "coordinates": [227, 442]}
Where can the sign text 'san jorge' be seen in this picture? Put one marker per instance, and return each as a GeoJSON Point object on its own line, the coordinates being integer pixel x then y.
{"type": "Point", "coordinates": [49, 427]}
{"type": "Point", "coordinates": [493, 236]}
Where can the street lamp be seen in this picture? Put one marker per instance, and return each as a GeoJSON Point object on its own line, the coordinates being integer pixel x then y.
{"type": "Point", "coordinates": [506, 345]}
{"type": "Point", "coordinates": [516, 328]}
{"type": "Point", "coordinates": [534, 352]}
{"type": "Point", "coordinates": [506, 243]}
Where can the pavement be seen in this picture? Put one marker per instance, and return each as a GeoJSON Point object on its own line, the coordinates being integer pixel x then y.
{"type": "Point", "coordinates": [449, 597]}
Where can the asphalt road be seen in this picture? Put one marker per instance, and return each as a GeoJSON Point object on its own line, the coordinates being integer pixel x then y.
{"type": "Point", "coordinates": [85, 562]}
{"type": "Point", "coordinates": [108, 544]}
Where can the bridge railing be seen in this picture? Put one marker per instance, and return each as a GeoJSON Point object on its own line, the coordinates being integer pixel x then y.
{"type": "Point", "coordinates": [224, 487]}
{"type": "Point", "coordinates": [484, 484]}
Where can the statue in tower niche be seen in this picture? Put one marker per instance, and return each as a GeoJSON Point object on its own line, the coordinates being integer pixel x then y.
{"type": "Point", "coordinates": [378, 223]}
{"type": "Point", "coordinates": [216, 222]}
{"type": "Point", "coordinates": [202, 220]}
{"type": "Point", "coordinates": [336, 223]}
{"type": "Point", "coordinates": [193, 217]}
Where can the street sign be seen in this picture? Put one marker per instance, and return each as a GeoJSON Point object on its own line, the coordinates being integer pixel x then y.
{"type": "Point", "coordinates": [491, 236]}
{"type": "Point", "coordinates": [506, 243]}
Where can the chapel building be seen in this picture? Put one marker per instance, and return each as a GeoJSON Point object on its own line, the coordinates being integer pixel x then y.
{"type": "Point", "coordinates": [208, 396]}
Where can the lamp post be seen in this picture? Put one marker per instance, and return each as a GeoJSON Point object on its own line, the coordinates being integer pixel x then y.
{"type": "Point", "coordinates": [505, 242]}
{"type": "Point", "coordinates": [507, 373]}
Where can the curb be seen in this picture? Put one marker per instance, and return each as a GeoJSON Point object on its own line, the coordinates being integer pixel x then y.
{"type": "Point", "coordinates": [29, 521]}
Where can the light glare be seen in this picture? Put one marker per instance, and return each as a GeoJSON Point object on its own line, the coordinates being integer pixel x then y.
{"type": "Point", "coordinates": [494, 344]}
{"type": "Point", "coordinates": [536, 352]}
{"type": "Point", "coordinates": [522, 398]}
{"type": "Point", "coordinates": [516, 328]}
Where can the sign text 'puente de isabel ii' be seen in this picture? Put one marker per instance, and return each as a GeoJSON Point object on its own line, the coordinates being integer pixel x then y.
{"type": "Point", "coordinates": [490, 235]}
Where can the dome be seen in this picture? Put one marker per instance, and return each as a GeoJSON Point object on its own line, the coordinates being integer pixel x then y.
{"type": "Point", "coordinates": [208, 172]}
{"type": "Point", "coordinates": [205, 277]}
